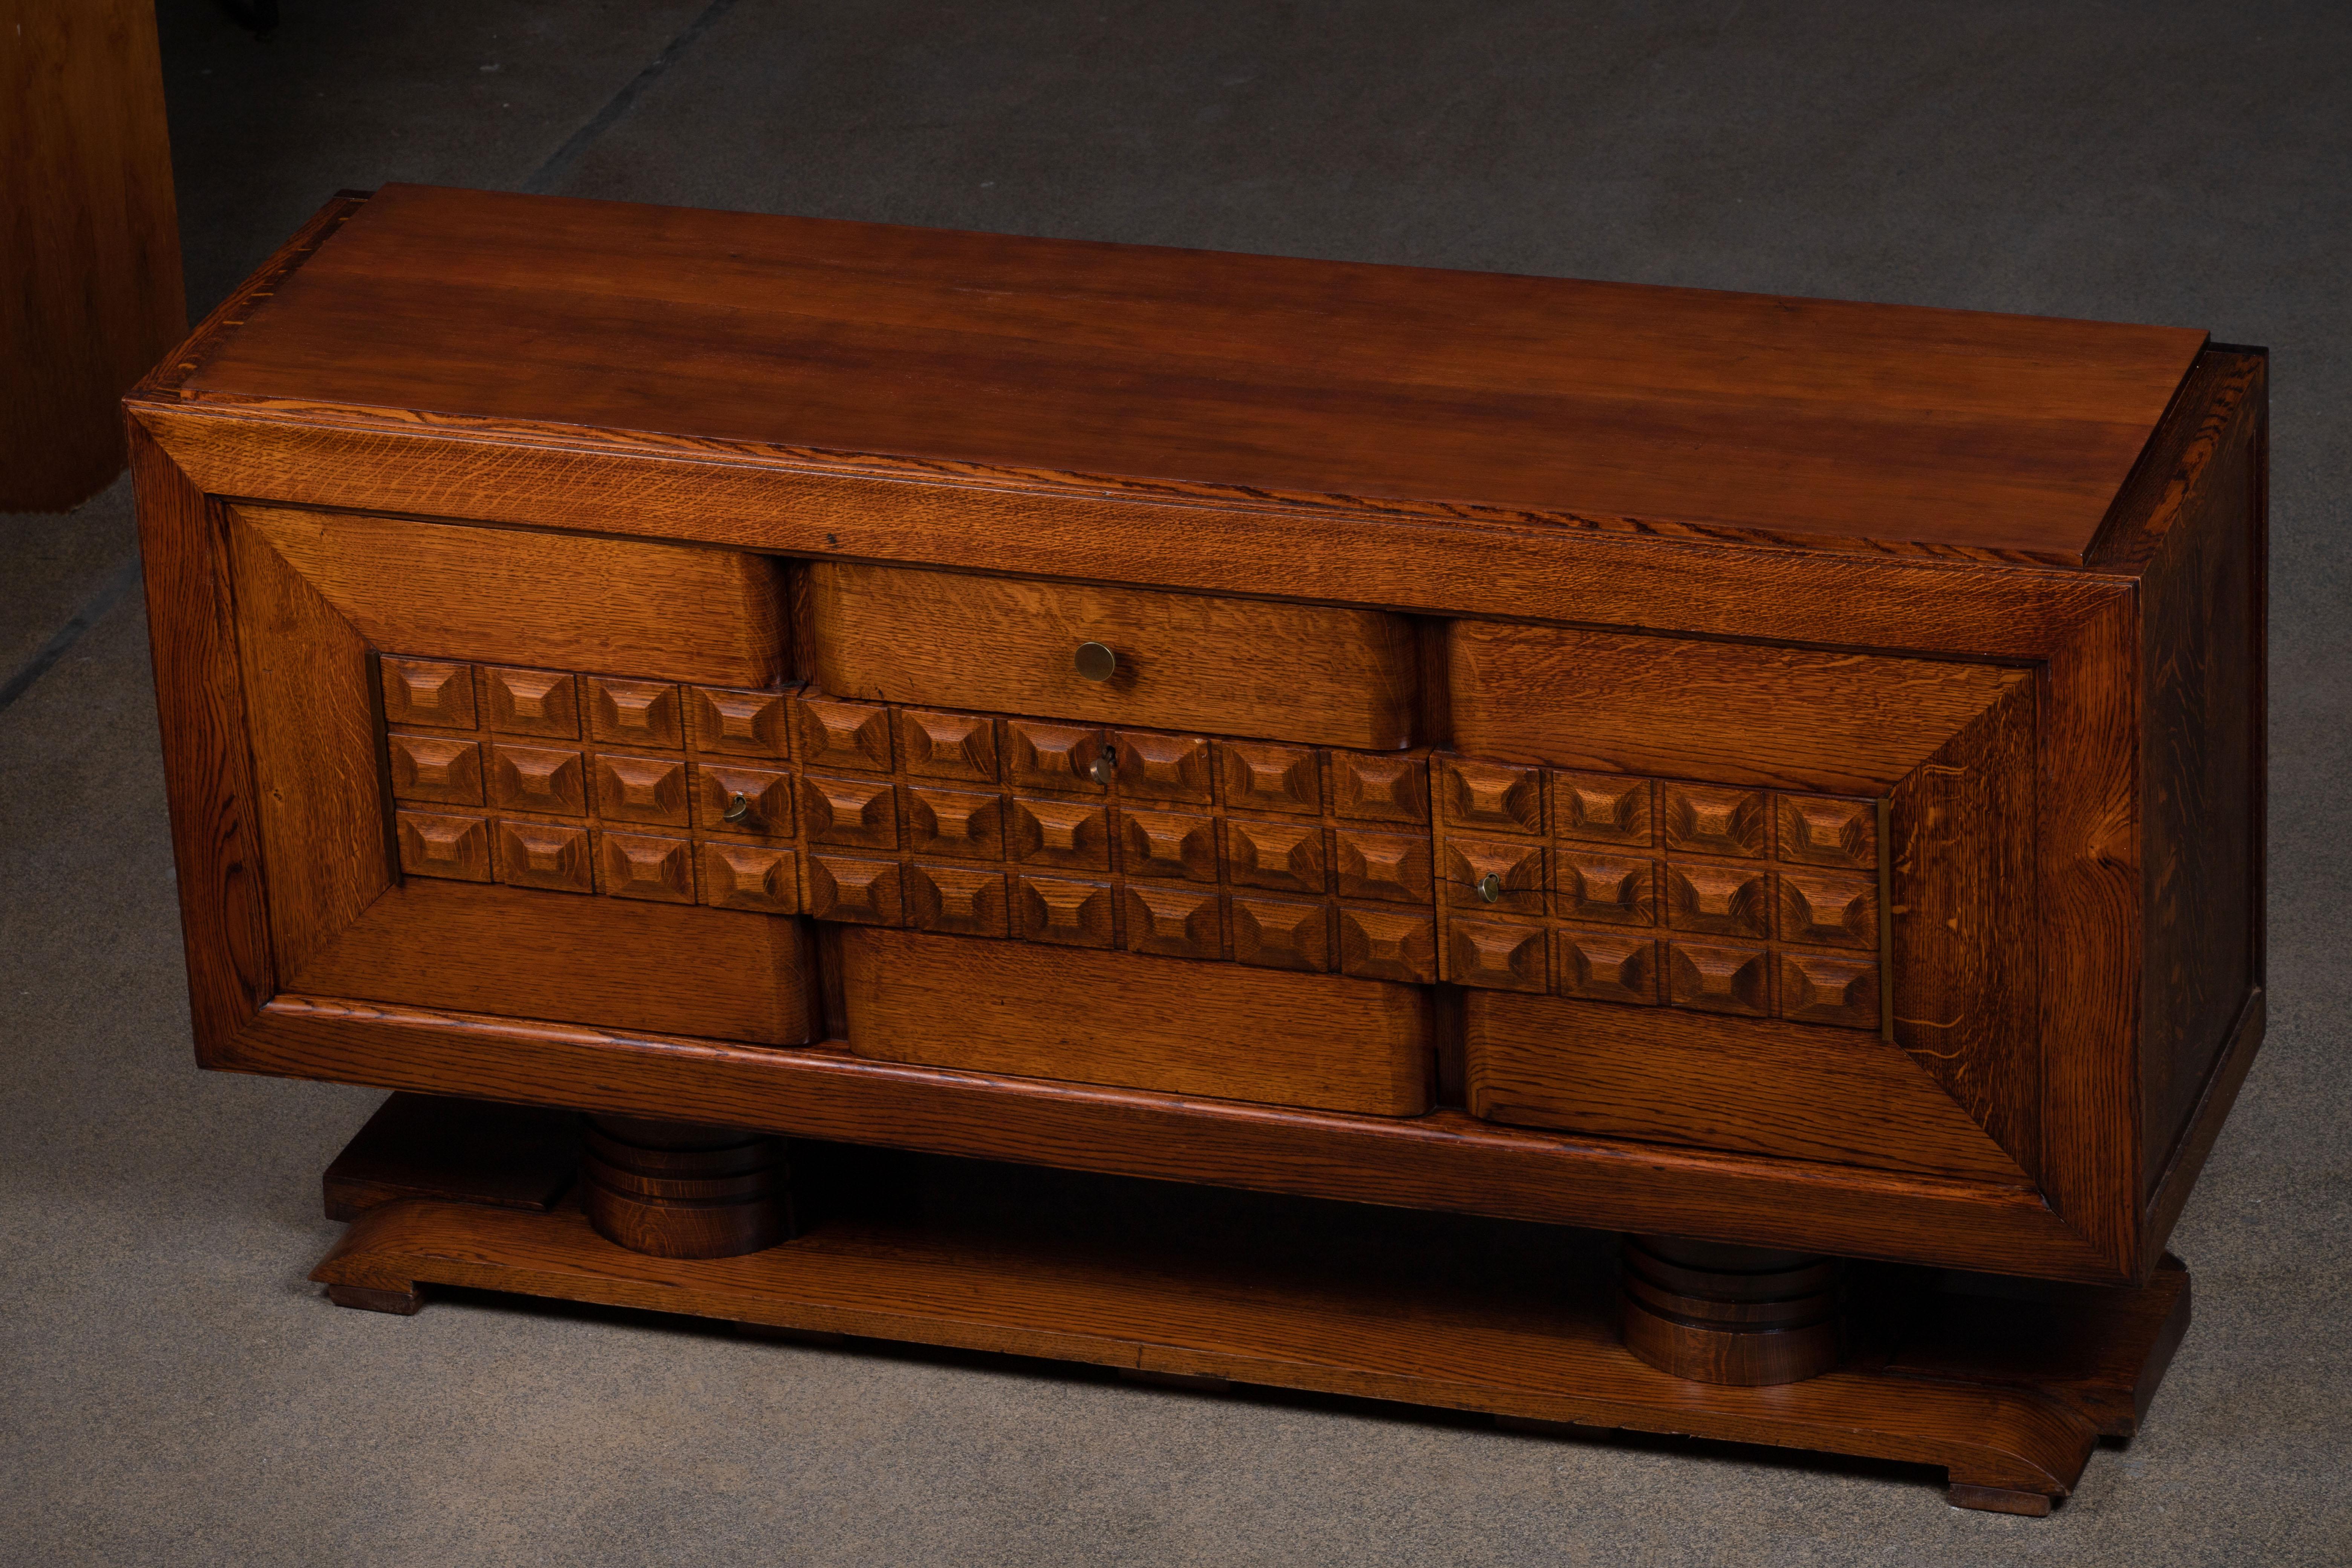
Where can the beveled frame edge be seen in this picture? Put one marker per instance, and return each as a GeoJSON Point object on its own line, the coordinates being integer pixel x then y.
{"type": "Point", "coordinates": [1426, 1162]}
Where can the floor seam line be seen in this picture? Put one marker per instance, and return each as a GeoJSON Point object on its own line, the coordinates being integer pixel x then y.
{"type": "Point", "coordinates": [66, 635]}
{"type": "Point", "coordinates": [559, 162]}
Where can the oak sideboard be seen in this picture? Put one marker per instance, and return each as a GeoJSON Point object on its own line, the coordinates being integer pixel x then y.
{"type": "Point", "coordinates": [1602, 855]}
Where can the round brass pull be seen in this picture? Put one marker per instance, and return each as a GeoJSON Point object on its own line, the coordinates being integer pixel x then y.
{"type": "Point", "coordinates": [738, 808]}
{"type": "Point", "coordinates": [1096, 662]}
{"type": "Point", "coordinates": [1490, 888]}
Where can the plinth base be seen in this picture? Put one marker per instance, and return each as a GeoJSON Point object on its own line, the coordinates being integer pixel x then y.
{"type": "Point", "coordinates": [2006, 1386]}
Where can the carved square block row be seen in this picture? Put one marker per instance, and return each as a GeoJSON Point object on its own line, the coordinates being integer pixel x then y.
{"type": "Point", "coordinates": [1717, 977]}
{"type": "Point", "coordinates": [1172, 920]}
{"type": "Point", "coordinates": [562, 858]}
{"type": "Point", "coordinates": [1144, 765]}
{"type": "Point", "coordinates": [1816, 908]}
{"type": "Point", "coordinates": [549, 704]}
{"type": "Point", "coordinates": [1743, 823]}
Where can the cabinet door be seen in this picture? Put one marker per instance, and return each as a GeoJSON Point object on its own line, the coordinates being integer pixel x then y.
{"type": "Point", "coordinates": [458, 812]}
{"type": "Point", "coordinates": [1758, 900]}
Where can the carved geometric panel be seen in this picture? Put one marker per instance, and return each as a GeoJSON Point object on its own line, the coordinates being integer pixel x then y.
{"type": "Point", "coordinates": [1753, 902]}
{"type": "Point", "coordinates": [676, 795]}
{"type": "Point", "coordinates": [1411, 866]}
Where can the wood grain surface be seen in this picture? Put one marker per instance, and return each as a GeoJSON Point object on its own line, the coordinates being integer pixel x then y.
{"type": "Point", "coordinates": [1322, 1041]}
{"type": "Point", "coordinates": [90, 241]}
{"type": "Point", "coordinates": [510, 597]}
{"type": "Point", "coordinates": [635, 964]}
{"type": "Point", "coordinates": [1324, 676]}
{"type": "Point", "coordinates": [1797, 416]}
{"type": "Point", "coordinates": [1754, 1085]}
{"type": "Point", "coordinates": [207, 756]}
{"type": "Point", "coordinates": [1445, 1159]}
{"type": "Point", "coordinates": [311, 705]}
{"type": "Point", "coordinates": [1789, 718]}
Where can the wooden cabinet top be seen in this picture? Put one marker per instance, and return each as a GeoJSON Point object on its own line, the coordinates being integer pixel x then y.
{"type": "Point", "coordinates": [1744, 417]}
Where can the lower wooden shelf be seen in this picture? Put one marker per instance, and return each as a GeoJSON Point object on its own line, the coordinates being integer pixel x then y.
{"type": "Point", "coordinates": [2007, 1385]}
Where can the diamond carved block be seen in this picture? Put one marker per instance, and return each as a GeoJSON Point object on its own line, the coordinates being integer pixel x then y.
{"type": "Point", "coordinates": [1367, 788]}
{"type": "Point", "coordinates": [1707, 821]}
{"type": "Point", "coordinates": [1388, 944]}
{"type": "Point", "coordinates": [731, 798]}
{"type": "Point", "coordinates": [634, 713]}
{"type": "Point", "coordinates": [644, 865]}
{"type": "Point", "coordinates": [1278, 933]}
{"type": "Point", "coordinates": [1491, 794]}
{"type": "Point", "coordinates": [545, 855]}
{"type": "Point", "coordinates": [1262, 775]}
{"type": "Point", "coordinates": [851, 735]}
{"type": "Point", "coordinates": [752, 876]}
{"type": "Point", "coordinates": [853, 812]}
{"type": "Point", "coordinates": [962, 899]}
{"type": "Point", "coordinates": [1168, 844]}
{"type": "Point", "coordinates": [1281, 853]}
{"type": "Point", "coordinates": [1391, 866]}
{"type": "Point", "coordinates": [1464, 864]}
{"type": "Point", "coordinates": [649, 790]}
{"type": "Point", "coordinates": [1075, 914]}
{"type": "Point", "coordinates": [432, 845]}
{"type": "Point", "coordinates": [1602, 808]}
{"type": "Point", "coordinates": [739, 723]}
{"type": "Point", "coordinates": [1074, 835]}
{"type": "Point", "coordinates": [436, 768]}
{"type": "Point", "coordinates": [1496, 955]}
{"type": "Point", "coordinates": [539, 778]}
{"type": "Point", "coordinates": [541, 703]}
{"type": "Point", "coordinates": [1613, 888]}
{"type": "Point", "coordinates": [1163, 767]}
{"type": "Point", "coordinates": [860, 892]}
{"type": "Point", "coordinates": [1052, 756]}
{"type": "Point", "coordinates": [1606, 966]}
{"type": "Point", "coordinates": [1828, 830]}
{"type": "Point", "coordinates": [961, 823]}
{"type": "Point", "coordinates": [955, 746]}
{"type": "Point", "coordinates": [427, 691]}
{"type": "Point", "coordinates": [1827, 988]}
{"type": "Point", "coordinates": [1179, 922]}
{"type": "Point", "coordinates": [1828, 908]}
{"type": "Point", "coordinates": [1719, 900]}
{"type": "Point", "coordinates": [1719, 979]}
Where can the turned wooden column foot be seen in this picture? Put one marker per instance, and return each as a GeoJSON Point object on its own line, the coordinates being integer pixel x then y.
{"type": "Point", "coordinates": [673, 1189]}
{"type": "Point", "coordinates": [1740, 1315]}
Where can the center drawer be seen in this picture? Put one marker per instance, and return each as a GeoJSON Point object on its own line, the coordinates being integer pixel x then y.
{"type": "Point", "coordinates": [1179, 661]}
{"type": "Point", "coordinates": [1322, 1042]}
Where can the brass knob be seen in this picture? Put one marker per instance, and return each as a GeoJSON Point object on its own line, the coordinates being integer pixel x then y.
{"type": "Point", "coordinates": [1490, 888]}
{"type": "Point", "coordinates": [738, 808]}
{"type": "Point", "coordinates": [1096, 662]}
{"type": "Point", "coordinates": [1105, 767]}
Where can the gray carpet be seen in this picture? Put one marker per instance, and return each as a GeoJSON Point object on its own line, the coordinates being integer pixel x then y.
{"type": "Point", "coordinates": [171, 1390]}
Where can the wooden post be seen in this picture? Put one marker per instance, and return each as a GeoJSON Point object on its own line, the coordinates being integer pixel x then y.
{"type": "Point", "coordinates": [90, 292]}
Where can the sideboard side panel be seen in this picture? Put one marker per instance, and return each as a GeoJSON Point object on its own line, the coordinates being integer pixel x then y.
{"type": "Point", "coordinates": [2201, 771]}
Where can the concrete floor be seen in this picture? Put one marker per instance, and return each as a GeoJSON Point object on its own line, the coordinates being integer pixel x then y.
{"type": "Point", "coordinates": [171, 1390]}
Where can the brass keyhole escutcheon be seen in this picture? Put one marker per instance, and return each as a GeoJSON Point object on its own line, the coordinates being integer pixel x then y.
{"type": "Point", "coordinates": [1095, 661]}
{"type": "Point", "coordinates": [738, 808]}
{"type": "Point", "coordinates": [1490, 888]}
{"type": "Point", "coordinates": [1105, 767]}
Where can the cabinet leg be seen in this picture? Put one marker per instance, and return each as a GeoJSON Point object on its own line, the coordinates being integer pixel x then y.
{"type": "Point", "coordinates": [676, 1190]}
{"type": "Point", "coordinates": [368, 1299]}
{"type": "Point", "coordinates": [1739, 1315]}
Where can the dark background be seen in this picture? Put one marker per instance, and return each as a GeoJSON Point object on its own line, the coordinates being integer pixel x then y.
{"type": "Point", "coordinates": [171, 1389]}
